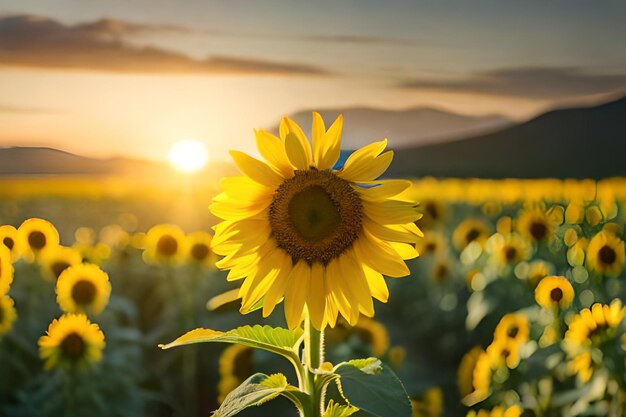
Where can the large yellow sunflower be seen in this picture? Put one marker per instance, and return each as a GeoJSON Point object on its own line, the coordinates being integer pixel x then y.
{"type": "Point", "coordinates": [35, 235]}
{"type": "Point", "coordinates": [605, 253]}
{"type": "Point", "coordinates": [71, 341]}
{"type": "Point", "coordinates": [7, 313]}
{"type": "Point", "coordinates": [554, 291]}
{"type": "Point", "coordinates": [9, 238]}
{"type": "Point", "coordinates": [56, 259]}
{"type": "Point", "coordinates": [296, 227]}
{"type": "Point", "coordinates": [165, 244]}
{"type": "Point", "coordinates": [6, 270]}
{"type": "Point", "coordinates": [83, 288]}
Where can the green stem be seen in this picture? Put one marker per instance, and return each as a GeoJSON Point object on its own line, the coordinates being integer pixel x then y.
{"type": "Point", "coordinates": [313, 348]}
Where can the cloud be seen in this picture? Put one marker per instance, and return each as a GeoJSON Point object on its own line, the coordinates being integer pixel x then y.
{"type": "Point", "coordinates": [529, 82]}
{"type": "Point", "coordinates": [45, 43]}
{"type": "Point", "coordinates": [358, 39]}
{"type": "Point", "coordinates": [15, 110]}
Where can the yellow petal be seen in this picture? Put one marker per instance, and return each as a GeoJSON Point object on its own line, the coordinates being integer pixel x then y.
{"type": "Point", "coordinates": [382, 190]}
{"type": "Point", "coordinates": [391, 212]}
{"type": "Point", "coordinates": [291, 128]}
{"type": "Point", "coordinates": [377, 284]}
{"type": "Point", "coordinates": [405, 250]}
{"type": "Point", "coordinates": [316, 297]}
{"type": "Point", "coordinates": [256, 170]}
{"type": "Point", "coordinates": [317, 134]}
{"type": "Point", "coordinates": [393, 233]}
{"type": "Point", "coordinates": [295, 293]}
{"type": "Point", "coordinates": [273, 150]}
{"type": "Point", "coordinates": [331, 148]}
{"type": "Point", "coordinates": [337, 294]}
{"type": "Point", "coordinates": [296, 153]}
{"type": "Point", "coordinates": [380, 256]}
{"type": "Point", "coordinates": [366, 164]}
{"type": "Point", "coordinates": [277, 290]}
{"type": "Point", "coordinates": [355, 280]}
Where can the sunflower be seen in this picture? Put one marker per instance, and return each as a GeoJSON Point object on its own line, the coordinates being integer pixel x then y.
{"type": "Point", "coordinates": [165, 244]}
{"type": "Point", "coordinates": [82, 288]}
{"type": "Point", "coordinates": [466, 370]}
{"type": "Point", "coordinates": [512, 327]}
{"type": "Point", "coordinates": [504, 352]}
{"type": "Point", "coordinates": [605, 253]}
{"type": "Point", "coordinates": [235, 366]}
{"type": "Point", "coordinates": [434, 211]}
{"type": "Point", "coordinates": [498, 411]}
{"type": "Point", "coordinates": [199, 249]}
{"type": "Point", "coordinates": [321, 238]}
{"type": "Point", "coordinates": [56, 259]}
{"type": "Point", "coordinates": [509, 249]}
{"type": "Point", "coordinates": [9, 238]}
{"type": "Point", "coordinates": [470, 230]}
{"type": "Point", "coordinates": [36, 235]}
{"type": "Point", "coordinates": [433, 243]}
{"type": "Point", "coordinates": [7, 314]}
{"type": "Point", "coordinates": [535, 224]}
{"type": "Point", "coordinates": [94, 253]}
{"type": "Point", "coordinates": [554, 291]}
{"type": "Point", "coordinates": [71, 341]}
{"type": "Point", "coordinates": [429, 404]}
{"type": "Point", "coordinates": [441, 269]}
{"type": "Point", "coordinates": [482, 376]}
{"type": "Point", "coordinates": [374, 334]}
{"type": "Point", "coordinates": [537, 270]}
{"type": "Point", "coordinates": [6, 270]}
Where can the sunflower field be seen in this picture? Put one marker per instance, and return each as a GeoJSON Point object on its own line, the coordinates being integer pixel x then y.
{"type": "Point", "coordinates": [514, 306]}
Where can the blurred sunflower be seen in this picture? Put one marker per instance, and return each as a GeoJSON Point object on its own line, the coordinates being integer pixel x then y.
{"type": "Point", "coordinates": [433, 243]}
{"type": "Point", "coordinates": [470, 230]}
{"type": "Point", "coordinates": [9, 238]}
{"type": "Point", "coordinates": [589, 329]}
{"type": "Point", "coordinates": [71, 341]}
{"type": "Point", "coordinates": [482, 377]}
{"type": "Point", "coordinates": [235, 366]}
{"type": "Point", "coordinates": [199, 249]}
{"type": "Point", "coordinates": [56, 259]}
{"type": "Point", "coordinates": [466, 370]}
{"type": "Point", "coordinates": [535, 224]}
{"type": "Point", "coordinates": [6, 270]}
{"type": "Point", "coordinates": [429, 404]}
{"type": "Point", "coordinates": [7, 314]}
{"type": "Point", "coordinates": [434, 211]}
{"type": "Point", "coordinates": [605, 253]}
{"type": "Point", "coordinates": [322, 239]}
{"type": "Point", "coordinates": [504, 352]}
{"type": "Point", "coordinates": [513, 327]}
{"type": "Point", "coordinates": [93, 253]}
{"type": "Point", "coordinates": [374, 334]}
{"type": "Point", "coordinates": [498, 411]}
{"type": "Point", "coordinates": [537, 270]}
{"type": "Point", "coordinates": [554, 291]}
{"type": "Point", "coordinates": [83, 288]}
{"type": "Point", "coordinates": [35, 235]}
{"type": "Point", "coordinates": [442, 269]}
{"type": "Point", "coordinates": [508, 249]}
{"type": "Point", "coordinates": [165, 244]}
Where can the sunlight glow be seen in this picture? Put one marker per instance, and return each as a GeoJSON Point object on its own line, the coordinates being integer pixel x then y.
{"type": "Point", "coordinates": [188, 155]}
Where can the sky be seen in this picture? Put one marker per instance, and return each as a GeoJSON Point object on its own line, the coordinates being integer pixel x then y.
{"type": "Point", "coordinates": [131, 77]}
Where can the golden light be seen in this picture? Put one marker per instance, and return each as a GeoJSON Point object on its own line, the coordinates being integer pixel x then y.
{"type": "Point", "coordinates": [188, 155]}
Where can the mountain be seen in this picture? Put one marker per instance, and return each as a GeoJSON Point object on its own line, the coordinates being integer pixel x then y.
{"type": "Point", "coordinates": [403, 128]}
{"type": "Point", "coordinates": [48, 161]}
{"type": "Point", "coordinates": [585, 142]}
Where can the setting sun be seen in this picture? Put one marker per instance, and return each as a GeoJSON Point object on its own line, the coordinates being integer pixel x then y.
{"type": "Point", "coordinates": [188, 155]}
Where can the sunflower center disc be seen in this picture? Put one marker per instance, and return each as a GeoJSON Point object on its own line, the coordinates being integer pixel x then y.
{"type": "Point", "coordinates": [556, 294]}
{"type": "Point", "coordinates": [472, 235]}
{"type": "Point", "coordinates": [8, 242]}
{"type": "Point", "coordinates": [167, 245]}
{"type": "Point", "coordinates": [607, 255]}
{"type": "Point", "coordinates": [84, 292]}
{"type": "Point", "coordinates": [315, 216]}
{"type": "Point", "coordinates": [510, 253]}
{"type": "Point", "coordinates": [538, 230]}
{"type": "Point", "coordinates": [199, 251]}
{"type": "Point", "coordinates": [73, 346]}
{"type": "Point", "coordinates": [513, 331]}
{"type": "Point", "coordinates": [36, 239]}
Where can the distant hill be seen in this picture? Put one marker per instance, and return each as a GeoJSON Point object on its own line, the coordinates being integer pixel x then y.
{"type": "Point", "coordinates": [587, 142]}
{"type": "Point", "coordinates": [403, 128]}
{"type": "Point", "coordinates": [48, 161]}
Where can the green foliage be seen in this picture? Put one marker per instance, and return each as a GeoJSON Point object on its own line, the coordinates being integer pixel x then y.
{"type": "Point", "coordinates": [337, 410]}
{"type": "Point", "coordinates": [254, 391]}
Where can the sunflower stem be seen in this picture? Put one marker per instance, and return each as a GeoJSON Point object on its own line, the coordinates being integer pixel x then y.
{"type": "Point", "coordinates": [313, 348]}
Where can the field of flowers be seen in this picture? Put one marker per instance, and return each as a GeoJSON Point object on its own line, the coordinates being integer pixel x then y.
{"type": "Point", "coordinates": [513, 307]}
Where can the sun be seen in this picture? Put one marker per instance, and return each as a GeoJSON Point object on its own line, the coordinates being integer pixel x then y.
{"type": "Point", "coordinates": [188, 155]}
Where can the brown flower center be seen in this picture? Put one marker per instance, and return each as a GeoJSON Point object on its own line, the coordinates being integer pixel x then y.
{"type": "Point", "coordinates": [432, 210]}
{"type": "Point", "coordinates": [167, 245]}
{"type": "Point", "coordinates": [556, 294]}
{"type": "Point", "coordinates": [471, 235]}
{"type": "Point", "coordinates": [73, 346]}
{"type": "Point", "coordinates": [513, 331]}
{"type": "Point", "coordinates": [36, 240]}
{"type": "Point", "coordinates": [315, 216]}
{"type": "Point", "coordinates": [58, 267]}
{"type": "Point", "coordinates": [8, 242]}
{"type": "Point", "coordinates": [607, 255]}
{"type": "Point", "coordinates": [538, 230]}
{"type": "Point", "coordinates": [199, 251]}
{"type": "Point", "coordinates": [84, 292]}
{"type": "Point", "coordinates": [510, 253]}
{"type": "Point", "coordinates": [242, 364]}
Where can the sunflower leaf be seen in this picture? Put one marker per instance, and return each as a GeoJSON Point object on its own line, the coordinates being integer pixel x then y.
{"type": "Point", "coordinates": [254, 391]}
{"type": "Point", "coordinates": [373, 388]}
{"type": "Point", "coordinates": [273, 339]}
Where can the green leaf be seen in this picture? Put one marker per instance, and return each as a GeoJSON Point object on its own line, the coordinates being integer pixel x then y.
{"type": "Point", "coordinates": [374, 388]}
{"type": "Point", "coordinates": [337, 410]}
{"type": "Point", "coordinates": [254, 391]}
{"type": "Point", "coordinates": [273, 339]}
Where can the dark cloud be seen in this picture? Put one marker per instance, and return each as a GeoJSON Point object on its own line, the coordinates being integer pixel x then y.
{"type": "Point", "coordinates": [531, 82]}
{"type": "Point", "coordinates": [45, 43]}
